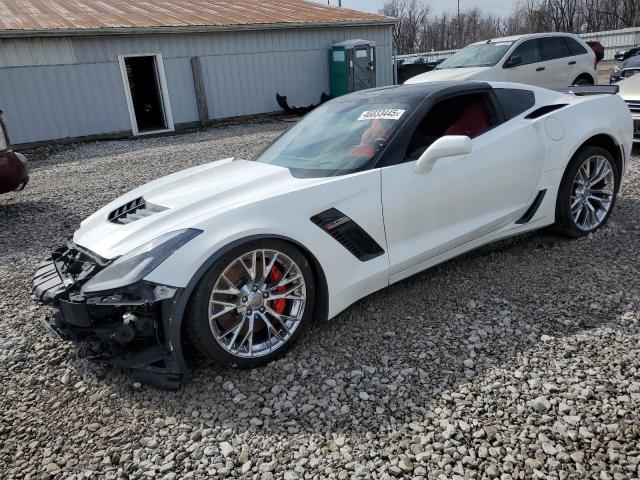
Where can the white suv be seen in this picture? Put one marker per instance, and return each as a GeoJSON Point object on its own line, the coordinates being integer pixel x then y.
{"type": "Point", "coordinates": [551, 60]}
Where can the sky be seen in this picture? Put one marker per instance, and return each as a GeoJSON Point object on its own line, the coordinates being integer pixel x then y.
{"type": "Point", "coordinates": [502, 7]}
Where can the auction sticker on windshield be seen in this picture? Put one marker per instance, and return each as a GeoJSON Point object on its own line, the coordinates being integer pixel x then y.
{"type": "Point", "coordinates": [386, 114]}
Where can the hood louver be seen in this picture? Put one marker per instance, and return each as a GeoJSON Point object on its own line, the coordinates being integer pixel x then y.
{"type": "Point", "coordinates": [134, 210]}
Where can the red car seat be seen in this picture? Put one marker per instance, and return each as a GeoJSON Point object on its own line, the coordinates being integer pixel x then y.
{"type": "Point", "coordinates": [473, 121]}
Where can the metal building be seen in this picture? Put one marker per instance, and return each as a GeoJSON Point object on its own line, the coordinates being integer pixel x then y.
{"type": "Point", "coordinates": [96, 68]}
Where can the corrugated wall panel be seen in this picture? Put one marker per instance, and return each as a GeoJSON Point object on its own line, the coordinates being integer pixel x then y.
{"type": "Point", "coordinates": [62, 101]}
{"type": "Point", "coordinates": [17, 52]}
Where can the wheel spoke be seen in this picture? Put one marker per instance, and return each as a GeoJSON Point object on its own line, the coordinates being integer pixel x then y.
{"type": "Point", "coordinates": [271, 328]}
{"type": "Point", "coordinates": [602, 173]}
{"type": "Point", "coordinates": [251, 271]}
{"type": "Point", "coordinates": [284, 282]}
{"type": "Point", "coordinates": [267, 270]}
{"type": "Point", "coordinates": [282, 319]}
{"type": "Point", "coordinates": [287, 294]}
{"type": "Point", "coordinates": [231, 290]}
{"type": "Point", "coordinates": [235, 330]}
{"type": "Point", "coordinates": [248, 336]}
{"type": "Point", "coordinates": [576, 204]}
{"type": "Point", "coordinates": [227, 308]}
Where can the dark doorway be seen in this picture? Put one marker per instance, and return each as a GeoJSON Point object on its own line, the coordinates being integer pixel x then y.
{"type": "Point", "coordinates": [142, 75]}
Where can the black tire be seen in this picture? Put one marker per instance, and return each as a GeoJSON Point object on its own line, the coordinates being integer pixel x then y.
{"type": "Point", "coordinates": [196, 328]}
{"type": "Point", "coordinates": [565, 224]}
{"type": "Point", "coordinates": [583, 80]}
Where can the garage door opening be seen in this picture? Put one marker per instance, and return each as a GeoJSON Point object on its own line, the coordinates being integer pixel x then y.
{"type": "Point", "coordinates": [146, 92]}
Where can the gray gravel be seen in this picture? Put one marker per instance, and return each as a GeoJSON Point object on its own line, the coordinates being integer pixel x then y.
{"type": "Point", "coordinates": [520, 360]}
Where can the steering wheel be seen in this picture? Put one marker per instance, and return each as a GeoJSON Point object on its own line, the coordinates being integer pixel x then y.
{"type": "Point", "coordinates": [378, 142]}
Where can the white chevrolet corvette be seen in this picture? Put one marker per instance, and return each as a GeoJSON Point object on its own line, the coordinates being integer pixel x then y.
{"type": "Point", "coordinates": [235, 257]}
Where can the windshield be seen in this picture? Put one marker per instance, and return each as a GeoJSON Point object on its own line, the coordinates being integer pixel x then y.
{"type": "Point", "coordinates": [478, 55]}
{"type": "Point", "coordinates": [338, 137]}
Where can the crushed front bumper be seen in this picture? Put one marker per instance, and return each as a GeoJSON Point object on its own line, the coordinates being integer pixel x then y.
{"type": "Point", "coordinates": [128, 328]}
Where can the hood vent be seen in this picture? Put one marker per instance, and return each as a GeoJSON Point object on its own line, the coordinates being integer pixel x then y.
{"type": "Point", "coordinates": [134, 210]}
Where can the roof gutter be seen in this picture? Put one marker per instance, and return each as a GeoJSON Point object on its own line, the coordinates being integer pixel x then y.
{"type": "Point", "coordinates": [189, 29]}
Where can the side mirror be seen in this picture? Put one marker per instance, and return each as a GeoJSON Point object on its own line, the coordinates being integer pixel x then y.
{"type": "Point", "coordinates": [448, 146]}
{"type": "Point", "coordinates": [513, 61]}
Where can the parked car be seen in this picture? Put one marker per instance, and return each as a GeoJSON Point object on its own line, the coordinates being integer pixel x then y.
{"type": "Point", "coordinates": [234, 258]}
{"type": "Point", "coordinates": [14, 173]}
{"type": "Point", "coordinates": [414, 66]}
{"type": "Point", "coordinates": [630, 92]}
{"type": "Point", "coordinates": [551, 60]}
{"type": "Point", "coordinates": [628, 68]}
{"type": "Point", "coordinates": [623, 55]}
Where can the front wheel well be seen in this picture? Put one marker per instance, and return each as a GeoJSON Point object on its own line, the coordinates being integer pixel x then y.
{"type": "Point", "coordinates": [609, 144]}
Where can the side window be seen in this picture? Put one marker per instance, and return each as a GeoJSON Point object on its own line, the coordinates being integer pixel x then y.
{"type": "Point", "coordinates": [528, 52]}
{"type": "Point", "coordinates": [514, 101]}
{"type": "Point", "coordinates": [470, 115]}
{"type": "Point", "coordinates": [574, 46]}
{"type": "Point", "coordinates": [552, 48]}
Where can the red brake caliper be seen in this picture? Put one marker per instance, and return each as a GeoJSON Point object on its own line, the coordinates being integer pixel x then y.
{"type": "Point", "coordinates": [274, 277]}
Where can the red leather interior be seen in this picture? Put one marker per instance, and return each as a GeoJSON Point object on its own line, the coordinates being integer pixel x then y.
{"type": "Point", "coordinates": [473, 121]}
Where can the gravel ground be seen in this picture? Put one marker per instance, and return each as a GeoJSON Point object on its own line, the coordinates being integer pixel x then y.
{"type": "Point", "coordinates": [520, 360]}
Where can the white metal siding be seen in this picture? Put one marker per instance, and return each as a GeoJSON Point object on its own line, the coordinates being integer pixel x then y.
{"type": "Point", "coordinates": [61, 101]}
{"type": "Point", "coordinates": [615, 40]}
{"type": "Point", "coordinates": [54, 88]}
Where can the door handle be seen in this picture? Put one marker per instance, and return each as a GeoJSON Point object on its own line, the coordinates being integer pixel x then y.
{"type": "Point", "coordinates": [572, 62]}
{"type": "Point", "coordinates": [539, 69]}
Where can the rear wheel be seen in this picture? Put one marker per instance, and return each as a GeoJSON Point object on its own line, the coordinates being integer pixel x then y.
{"type": "Point", "coordinates": [587, 193]}
{"type": "Point", "coordinates": [252, 305]}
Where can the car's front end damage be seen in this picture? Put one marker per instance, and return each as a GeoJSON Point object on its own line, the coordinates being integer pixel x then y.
{"type": "Point", "coordinates": [108, 306]}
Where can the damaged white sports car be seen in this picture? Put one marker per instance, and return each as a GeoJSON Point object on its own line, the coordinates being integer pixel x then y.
{"type": "Point", "coordinates": [235, 257]}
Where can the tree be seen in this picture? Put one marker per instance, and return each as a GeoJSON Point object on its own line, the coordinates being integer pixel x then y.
{"type": "Point", "coordinates": [420, 31]}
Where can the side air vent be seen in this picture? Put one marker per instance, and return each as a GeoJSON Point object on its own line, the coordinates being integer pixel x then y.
{"type": "Point", "coordinates": [531, 211]}
{"type": "Point", "coordinates": [544, 110]}
{"type": "Point", "coordinates": [134, 210]}
{"type": "Point", "coordinates": [349, 234]}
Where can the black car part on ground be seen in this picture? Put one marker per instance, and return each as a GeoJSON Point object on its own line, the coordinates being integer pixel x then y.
{"type": "Point", "coordinates": [410, 70]}
{"type": "Point", "coordinates": [126, 328]}
{"type": "Point", "coordinates": [282, 101]}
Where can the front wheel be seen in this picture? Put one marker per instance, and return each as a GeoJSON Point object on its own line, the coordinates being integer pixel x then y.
{"type": "Point", "coordinates": [587, 192]}
{"type": "Point", "coordinates": [252, 305]}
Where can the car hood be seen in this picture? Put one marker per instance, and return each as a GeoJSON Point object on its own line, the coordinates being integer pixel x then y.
{"type": "Point", "coordinates": [185, 199]}
{"type": "Point", "coordinates": [438, 75]}
{"type": "Point", "coordinates": [630, 88]}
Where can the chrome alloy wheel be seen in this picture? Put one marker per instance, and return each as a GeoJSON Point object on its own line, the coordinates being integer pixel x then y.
{"type": "Point", "coordinates": [257, 303]}
{"type": "Point", "coordinates": [592, 193]}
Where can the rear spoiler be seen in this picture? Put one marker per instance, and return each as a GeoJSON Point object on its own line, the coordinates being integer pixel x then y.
{"type": "Point", "coordinates": [581, 90]}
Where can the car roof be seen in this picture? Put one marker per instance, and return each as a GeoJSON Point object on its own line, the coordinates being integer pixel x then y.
{"type": "Point", "coordinates": [515, 38]}
{"type": "Point", "coordinates": [414, 91]}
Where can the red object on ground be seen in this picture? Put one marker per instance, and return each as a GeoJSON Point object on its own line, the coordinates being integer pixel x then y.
{"type": "Point", "coordinates": [598, 49]}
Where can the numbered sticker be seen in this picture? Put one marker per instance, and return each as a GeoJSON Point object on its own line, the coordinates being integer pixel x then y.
{"type": "Point", "coordinates": [386, 114]}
